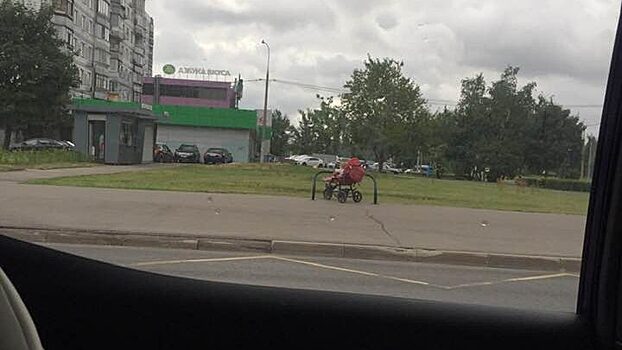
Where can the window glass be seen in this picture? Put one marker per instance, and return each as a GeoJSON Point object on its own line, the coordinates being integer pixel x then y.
{"type": "Point", "coordinates": [127, 134]}
{"type": "Point", "coordinates": [102, 7]}
{"type": "Point", "coordinates": [477, 120]}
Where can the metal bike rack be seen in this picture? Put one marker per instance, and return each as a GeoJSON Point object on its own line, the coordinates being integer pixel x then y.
{"type": "Point", "coordinates": [330, 172]}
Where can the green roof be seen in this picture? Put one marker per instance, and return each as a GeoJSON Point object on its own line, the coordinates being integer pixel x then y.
{"type": "Point", "coordinates": [181, 115]}
{"type": "Point", "coordinates": [206, 117]}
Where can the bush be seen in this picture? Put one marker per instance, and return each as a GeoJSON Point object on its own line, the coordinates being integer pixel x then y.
{"type": "Point", "coordinates": [558, 184]}
{"type": "Point", "coordinates": [41, 157]}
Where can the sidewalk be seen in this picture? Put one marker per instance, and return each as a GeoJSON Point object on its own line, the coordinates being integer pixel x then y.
{"type": "Point", "coordinates": [31, 174]}
{"type": "Point", "coordinates": [287, 219]}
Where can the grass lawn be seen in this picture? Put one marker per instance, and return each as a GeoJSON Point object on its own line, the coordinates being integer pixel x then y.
{"type": "Point", "coordinates": [290, 180]}
{"type": "Point", "coordinates": [44, 160]}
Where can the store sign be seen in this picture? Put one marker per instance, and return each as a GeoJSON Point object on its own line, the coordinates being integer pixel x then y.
{"type": "Point", "coordinates": [203, 71]}
{"type": "Point", "coordinates": [168, 69]}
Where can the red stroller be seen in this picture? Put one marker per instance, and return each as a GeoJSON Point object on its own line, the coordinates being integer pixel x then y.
{"type": "Point", "coordinates": [345, 182]}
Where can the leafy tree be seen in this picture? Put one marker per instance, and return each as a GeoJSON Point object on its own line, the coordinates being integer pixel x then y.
{"type": "Point", "coordinates": [556, 140]}
{"type": "Point", "coordinates": [281, 129]}
{"type": "Point", "coordinates": [302, 135]}
{"type": "Point", "coordinates": [383, 108]}
{"type": "Point", "coordinates": [321, 130]}
{"type": "Point", "coordinates": [36, 72]}
{"type": "Point", "coordinates": [505, 129]}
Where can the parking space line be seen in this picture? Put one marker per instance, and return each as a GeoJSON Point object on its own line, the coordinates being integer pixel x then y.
{"type": "Point", "coordinates": [328, 267]}
{"type": "Point", "coordinates": [516, 279]}
{"type": "Point", "coordinates": [358, 272]}
{"type": "Point", "coordinates": [194, 261]}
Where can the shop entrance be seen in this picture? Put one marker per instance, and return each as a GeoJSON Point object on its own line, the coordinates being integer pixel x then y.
{"type": "Point", "coordinates": [97, 140]}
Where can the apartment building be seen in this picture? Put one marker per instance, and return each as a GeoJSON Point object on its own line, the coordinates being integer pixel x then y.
{"type": "Point", "coordinates": [113, 41]}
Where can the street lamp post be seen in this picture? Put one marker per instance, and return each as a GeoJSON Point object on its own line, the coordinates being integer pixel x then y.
{"type": "Point", "coordinates": [263, 151]}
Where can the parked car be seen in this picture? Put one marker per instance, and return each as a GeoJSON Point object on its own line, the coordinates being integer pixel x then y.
{"type": "Point", "coordinates": [187, 154]}
{"type": "Point", "coordinates": [420, 170]}
{"type": "Point", "coordinates": [217, 155]}
{"type": "Point", "coordinates": [311, 161]}
{"type": "Point", "coordinates": [70, 145]}
{"type": "Point", "coordinates": [40, 144]}
{"type": "Point", "coordinates": [391, 169]}
{"type": "Point", "coordinates": [163, 154]}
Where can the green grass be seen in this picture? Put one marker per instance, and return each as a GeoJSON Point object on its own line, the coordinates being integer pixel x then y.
{"type": "Point", "coordinates": [295, 181]}
{"type": "Point", "coordinates": [52, 159]}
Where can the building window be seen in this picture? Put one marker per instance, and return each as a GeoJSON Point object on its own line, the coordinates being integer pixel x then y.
{"type": "Point", "coordinates": [103, 7]}
{"type": "Point", "coordinates": [70, 39]}
{"type": "Point", "coordinates": [63, 6]}
{"type": "Point", "coordinates": [101, 82]}
{"type": "Point", "coordinates": [102, 56]}
{"type": "Point", "coordinates": [127, 134]}
{"type": "Point", "coordinates": [147, 89]}
{"type": "Point", "coordinates": [102, 32]}
{"type": "Point", "coordinates": [193, 92]}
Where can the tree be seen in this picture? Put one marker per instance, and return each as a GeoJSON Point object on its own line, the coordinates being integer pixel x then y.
{"type": "Point", "coordinates": [36, 71]}
{"type": "Point", "coordinates": [383, 108]}
{"type": "Point", "coordinates": [281, 130]}
{"type": "Point", "coordinates": [504, 129]}
{"type": "Point", "coordinates": [556, 140]}
{"type": "Point", "coordinates": [321, 130]}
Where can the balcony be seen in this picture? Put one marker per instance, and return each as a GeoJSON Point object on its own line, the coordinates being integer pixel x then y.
{"type": "Point", "coordinates": [139, 50]}
{"type": "Point", "coordinates": [140, 23]}
{"type": "Point", "coordinates": [139, 32]}
{"type": "Point", "coordinates": [116, 32]}
{"type": "Point", "coordinates": [138, 61]}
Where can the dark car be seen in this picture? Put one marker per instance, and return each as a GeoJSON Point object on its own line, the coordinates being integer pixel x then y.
{"type": "Point", "coordinates": [217, 156]}
{"type": "Point", "coordinates": [187, 154]}
{"type": "Point", "coordinates": [40, 144]}
{"type": "Point", "coordinates": [162, 154]}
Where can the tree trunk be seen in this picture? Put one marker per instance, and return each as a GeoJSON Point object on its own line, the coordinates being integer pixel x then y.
{"type": "Point", "coordinates": [8, 130]}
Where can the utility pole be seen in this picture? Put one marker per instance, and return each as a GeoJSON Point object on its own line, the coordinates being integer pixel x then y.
{"type": "Point", "coordinates": [263, 145]}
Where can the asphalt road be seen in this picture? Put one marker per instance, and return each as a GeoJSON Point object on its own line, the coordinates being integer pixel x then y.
{"type": "Point", "coordinates": [499, 287]}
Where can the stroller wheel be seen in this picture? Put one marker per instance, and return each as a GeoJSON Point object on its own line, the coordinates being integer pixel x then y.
{"type": "Point", "coordinates": [342, 196]}
{"type": "Point", "coordinates": [328, 193]}
{"type": "Point", "coordinates": [357, 196]}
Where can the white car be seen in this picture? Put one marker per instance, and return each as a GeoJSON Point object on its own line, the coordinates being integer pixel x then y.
{"type": "Point", "coordinates": [391, 169]}
{"type": "Point", "coordinates": [311, 161]}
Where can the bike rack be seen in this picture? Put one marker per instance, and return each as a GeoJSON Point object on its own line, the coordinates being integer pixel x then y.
{"type": "Point", "coordinates": [314, 188]}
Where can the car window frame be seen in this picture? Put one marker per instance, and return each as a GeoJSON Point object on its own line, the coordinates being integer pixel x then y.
{"type": "Point", "coordinates": [599, 302]}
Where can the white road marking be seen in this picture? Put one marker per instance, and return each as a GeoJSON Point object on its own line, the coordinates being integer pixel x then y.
{"type": "Point", "coordinates": [535, 278]}
{"type": "Point", "coordinates": [516, 279]}
{"type": "Point", "coordinates": [328, 267]}
{"type": "Point", "coordinates": [194, 261]}
{"type": "Point", "coordinates": [358, 272]}
{"type": "Point", "coordinates": [421, 283]}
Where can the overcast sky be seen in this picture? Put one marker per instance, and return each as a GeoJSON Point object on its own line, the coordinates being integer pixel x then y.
{"type": "Point", "coordinates": [563, 45]}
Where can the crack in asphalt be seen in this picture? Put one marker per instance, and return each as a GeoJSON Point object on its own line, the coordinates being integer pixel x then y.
{"type": "Point", "coordinates": [383, 228]}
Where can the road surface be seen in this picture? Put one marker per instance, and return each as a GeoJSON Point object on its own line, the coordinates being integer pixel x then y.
{"type": "Point", "coordinates": [498, 287]}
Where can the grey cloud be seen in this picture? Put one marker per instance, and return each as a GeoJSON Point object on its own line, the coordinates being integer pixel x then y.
{"type": "Point", "coordinates": [387, 21]}
{"type": "Point", "coordinates": [278, 15]}
{"type": "Point", "coordinates": [176, 46]}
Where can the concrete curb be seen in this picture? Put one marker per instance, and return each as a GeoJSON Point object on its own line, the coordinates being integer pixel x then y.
{"type": "Point", "coordinates": [296, 248]}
